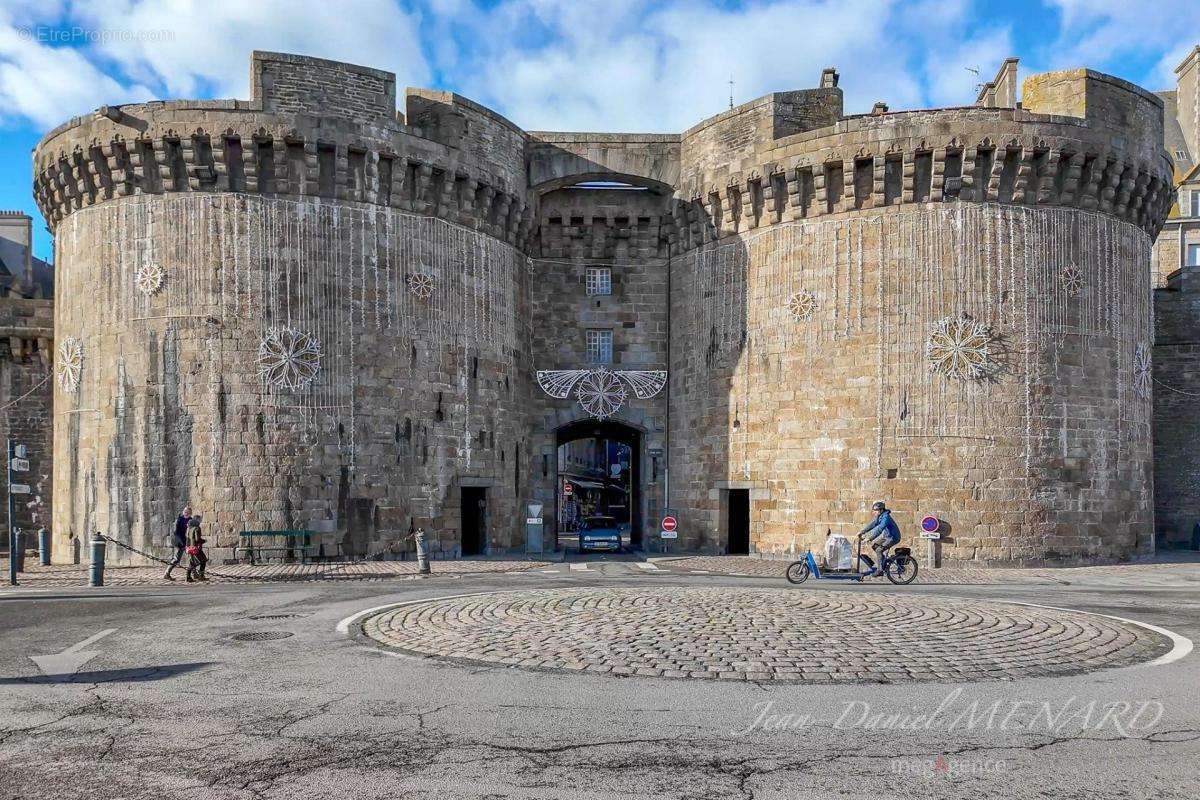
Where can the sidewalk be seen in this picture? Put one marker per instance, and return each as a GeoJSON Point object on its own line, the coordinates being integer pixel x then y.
{"type": "Point", "coordinates": [65, 575]}
{"type": "Point", "coordinates": [1172, 569]}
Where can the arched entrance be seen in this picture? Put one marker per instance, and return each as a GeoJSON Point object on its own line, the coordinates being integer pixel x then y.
{"type": "Point", "coordinates": [598, 474]}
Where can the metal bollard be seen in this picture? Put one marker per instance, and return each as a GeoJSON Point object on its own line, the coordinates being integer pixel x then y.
{"type": "Point", "coordinates": [97, 571]}
{"type": "Point", "coordinates": [422, 552]}
{"type": "Point", "coordinates": [19, 552]}
{"type": "Point", "coordinates": [44, 547]}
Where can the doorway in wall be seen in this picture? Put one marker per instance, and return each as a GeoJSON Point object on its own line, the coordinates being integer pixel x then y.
{"type": "Point", "coordinates": [738, 523]}
{"type": "Point", "coordinates": [474, 520]}
{"type": "Point", "coordinates": [599, 480]}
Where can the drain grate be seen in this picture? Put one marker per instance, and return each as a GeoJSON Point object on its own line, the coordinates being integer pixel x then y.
{"type": "Point", "coordinates": [260, 636]}
{"type": "Point", "coordinates": [276, 616]}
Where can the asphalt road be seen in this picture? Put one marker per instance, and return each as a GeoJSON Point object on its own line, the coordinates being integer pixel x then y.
{"type": "Point", "coordinates": [169, 704]}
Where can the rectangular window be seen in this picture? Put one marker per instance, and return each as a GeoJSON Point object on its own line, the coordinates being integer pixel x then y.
{"type": "Point", "coordinates": [1193, 205]}
{"type": "Point", "coordinates": [1193, 255]}
{"type": "Point", "coordinates": [599, 281]}
{"type": "Point", "coordinates": [599, 347]}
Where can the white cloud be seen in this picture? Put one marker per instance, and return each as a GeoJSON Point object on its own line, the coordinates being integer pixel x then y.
{"type": "Point", "coordinates": [949, 71]}
{"type": "Point", "coordinates": [135, 49]}
{"type": "Point", "coordinates": [664, 66]}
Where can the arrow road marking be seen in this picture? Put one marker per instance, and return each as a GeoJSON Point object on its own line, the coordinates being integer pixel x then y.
{"type": "Point", "coordinates": [70, 660]}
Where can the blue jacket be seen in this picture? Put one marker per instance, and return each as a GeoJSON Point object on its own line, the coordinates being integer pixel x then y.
{"type": "Point", "coordinates": [883, 522]}
{"type": "Point", "coordinates": [181, 526]}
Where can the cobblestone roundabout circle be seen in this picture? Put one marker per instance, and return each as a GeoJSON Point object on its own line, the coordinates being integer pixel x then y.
{"type": "Point", "coordinates": [763, 635]}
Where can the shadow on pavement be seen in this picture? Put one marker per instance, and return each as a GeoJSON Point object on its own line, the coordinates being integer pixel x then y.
{"type": "Point", "coordinates": [127, 675]}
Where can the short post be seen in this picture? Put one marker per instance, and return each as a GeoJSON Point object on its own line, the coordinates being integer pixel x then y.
{"type": "Point", "coordinates": [44, 547]}
{"type": "Point", "coordinates": [422, 552]}
{"type": "Point", "coordinates": [97, 571]}
{"type": "Point", "coordinates": [19, 553]}
{"type": "Point", "coordinates": [76, 547]}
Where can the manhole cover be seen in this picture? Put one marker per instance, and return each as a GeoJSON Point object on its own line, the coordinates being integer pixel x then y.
{"type": "Point", "coordinates": [276, 616]}
{"type": "Point", "coordinates": [260, 636]}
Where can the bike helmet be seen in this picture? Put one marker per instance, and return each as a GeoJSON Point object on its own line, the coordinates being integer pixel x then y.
{"type": "Point", "coordinates": [878, 505]}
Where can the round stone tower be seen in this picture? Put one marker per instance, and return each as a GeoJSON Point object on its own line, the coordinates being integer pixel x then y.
{"type": "Point", "coordinates": [947, 310]}
{"type": "Point", "coordinates": [293, 312]}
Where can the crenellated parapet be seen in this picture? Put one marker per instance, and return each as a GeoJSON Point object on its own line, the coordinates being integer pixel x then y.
{"type": "Point", "coordinates": [1082, 140]}
{"type": "Point", "coordinates": [457, 161]}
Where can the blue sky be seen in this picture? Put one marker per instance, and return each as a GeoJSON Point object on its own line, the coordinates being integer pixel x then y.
{"type": "Point", "coordinates": [637, 65]}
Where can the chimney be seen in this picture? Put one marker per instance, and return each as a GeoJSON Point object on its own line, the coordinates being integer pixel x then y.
{"type": "Point", "coordinates": [829, 78]}
{"type": "Point", "coordinates": [1187, 98]}
{"type": "Point", "coordinates": [879, 108]}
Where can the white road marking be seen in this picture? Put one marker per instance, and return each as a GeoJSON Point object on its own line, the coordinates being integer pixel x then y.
{"type": "Point", "coordinates": [579, 568]}
{"type": "Point", "coordinates": [344, 625]}
{"type": "Point", "coordinates": [70, 660]}
{"type": "Point", "coordinates": [1180, 645]}
{"type": "Point", "coordinates": [647, 566]}
{"type": "Point", "coordinates": [549, 571]}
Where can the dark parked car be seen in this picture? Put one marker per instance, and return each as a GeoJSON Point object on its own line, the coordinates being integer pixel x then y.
{"type": "Point", "coordinates": [599, 533]}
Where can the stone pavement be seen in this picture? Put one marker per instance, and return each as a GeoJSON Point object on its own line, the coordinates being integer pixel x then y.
{"type": "Point", "coordinates": [1168, 569]}
{"type": "Point", "coordinates": [752, 634]}
{"type": "Point", "coordinates": [64, 575]}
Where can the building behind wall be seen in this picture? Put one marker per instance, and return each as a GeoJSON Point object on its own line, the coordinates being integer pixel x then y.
{"type": "Point", "coordinates": [26, 370]}
{"type": "Point", "coordinates": [307, 310]}
{"type": "Point", "coordinates": [1176, 276]}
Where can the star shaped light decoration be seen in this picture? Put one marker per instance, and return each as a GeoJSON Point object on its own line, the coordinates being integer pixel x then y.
{"type": "Point", "coordinates": [70, 364]}
{"type": "Point", "coordinates": [802, 306]}
{"type": "Point", "coordinates": [958, 347]}
{"type": "Point", "coordinates": [288, 358]}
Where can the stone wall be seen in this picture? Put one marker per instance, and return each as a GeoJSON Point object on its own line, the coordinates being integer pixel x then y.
{"type": "Point", "coordinates": [26, 393]}
{"type": "Point", "coordinates": [1177, 409]}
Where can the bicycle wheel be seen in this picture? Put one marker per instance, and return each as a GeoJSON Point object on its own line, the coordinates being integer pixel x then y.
{"type": "Point", "coordinates": [797, 572]}
{"type": "Point", "coordinates": [901, 570]}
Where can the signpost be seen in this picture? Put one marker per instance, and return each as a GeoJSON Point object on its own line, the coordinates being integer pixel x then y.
{"type": "Point", "coordinates": [669, 527]}
{"type": "Point", "coordinates": [568, 490]}
{"type": "Point", "coordinates": [931, 528]}
{"type": "Point", "coordinates": [12, 531]}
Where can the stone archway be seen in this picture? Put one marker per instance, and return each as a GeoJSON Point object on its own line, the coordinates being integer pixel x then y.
{"type": "Point", "coordinates": [606, 485]}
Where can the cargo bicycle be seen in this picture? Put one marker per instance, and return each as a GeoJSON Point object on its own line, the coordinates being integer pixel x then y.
{"type": "Point", "coordinates": [898, 565]}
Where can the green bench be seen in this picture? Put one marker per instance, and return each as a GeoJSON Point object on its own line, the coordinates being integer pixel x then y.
{"type": "Point", "coordinates": [302, 545]}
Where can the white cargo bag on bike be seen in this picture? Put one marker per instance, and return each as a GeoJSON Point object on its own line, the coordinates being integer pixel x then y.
{"type": "Point", "coordinates": [838, 552]}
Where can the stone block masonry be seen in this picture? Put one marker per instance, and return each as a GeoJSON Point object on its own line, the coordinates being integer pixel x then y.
{"type": "Point", "coordinates": [308, 310]}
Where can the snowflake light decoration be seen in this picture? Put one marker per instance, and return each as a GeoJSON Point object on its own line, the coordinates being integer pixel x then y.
{"type": "Point", "coordinates": [70, 364]}
{"type": "Point", "coordinates": [602, 392]}
{"type": "Point", "coordinates": [149, 278]}
{"type": "Point", "coordinates": [1072, 279]}
{"type": "Point", "coordinates": [802, 306]}
{"type": "Point", "coordinates": [1143, 374]}
{"type": "Point", "coordinates": [288, 358]}
{"type": "Point", "coordinates": [958, 348]}
{"type": "Point", "coordinates": [420, 284]}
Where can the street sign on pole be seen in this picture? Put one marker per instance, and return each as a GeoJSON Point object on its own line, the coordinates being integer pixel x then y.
{"type": "Point", "coordinates": [669, 524]}
{"type": "Point", "coordinates": [568, 490]}
{"type": "Point", "coordinates": [19, 465]}
{"type": "Point", "coordinates": [19, 488]}
{"type": "Point", "coordinates": [12, 531]}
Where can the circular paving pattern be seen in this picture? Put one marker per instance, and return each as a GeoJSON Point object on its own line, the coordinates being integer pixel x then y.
{"type": "Point", "coordinates": [763, 635]}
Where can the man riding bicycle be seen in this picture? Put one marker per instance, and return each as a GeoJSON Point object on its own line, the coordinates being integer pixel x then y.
{"type": "Point", "coordinates": [881, 533]}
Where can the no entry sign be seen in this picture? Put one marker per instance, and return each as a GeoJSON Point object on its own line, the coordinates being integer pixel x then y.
{"type": "Point", "coordinates": [669, 524]}
{"type": "Point", "coordinates": [568, 489]}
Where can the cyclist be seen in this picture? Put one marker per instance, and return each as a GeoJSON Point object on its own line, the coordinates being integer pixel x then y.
{"type": "Point", "coordinates": [881, 533]}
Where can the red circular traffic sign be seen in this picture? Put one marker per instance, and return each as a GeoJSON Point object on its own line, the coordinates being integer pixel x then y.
{"type": "Point", "coordinates": [669, 523]}
{"type": "Point", "coordinates": [568, 489]}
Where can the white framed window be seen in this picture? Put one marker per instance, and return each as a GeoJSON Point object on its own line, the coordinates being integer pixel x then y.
{"type": "Point", "coordinates": [598, 281]}
{"type": "Point", "coordinates": [1193, 255]}
{"type": "Point", "coordinates": [1193, 203]}
{"type": "Point", "coordinates": [599, 346]}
